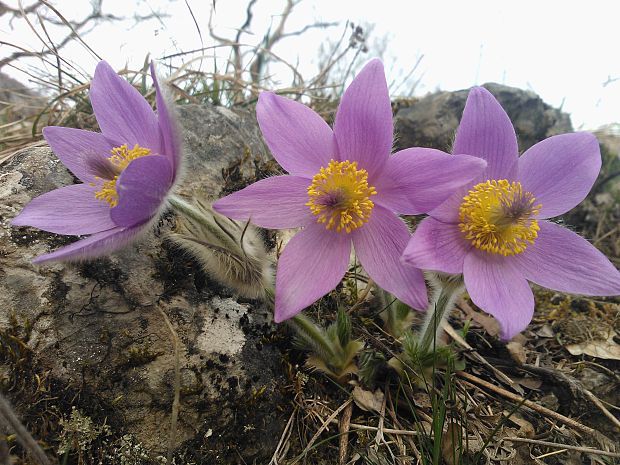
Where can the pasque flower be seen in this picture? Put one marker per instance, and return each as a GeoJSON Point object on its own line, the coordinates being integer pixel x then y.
{"type": "Point", "coordinates": [496, 230]}
{"type": "Point", "coordinates": [127, 171]}
{"type": "Point", "coordinates": [344, 188]}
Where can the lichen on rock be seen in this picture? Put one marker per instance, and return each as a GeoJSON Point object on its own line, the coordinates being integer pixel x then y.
{"type": "Point", "coordinates": [96, 331]}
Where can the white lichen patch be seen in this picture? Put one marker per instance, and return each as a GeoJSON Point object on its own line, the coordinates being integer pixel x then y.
{"type": "Point", "coordinates": [9, 187]}
{"type": "Point", "coordinates": [221, 331]}
{"type": "Point", "coordinates": [9, 184]}
{"type": "Point", "coordinates": [79, 432]}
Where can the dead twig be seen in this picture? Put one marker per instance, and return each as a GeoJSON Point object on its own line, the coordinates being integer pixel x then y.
{"type": "Point", "coordinates": [402, 432]}
{"type": "Point", "coordinates": [587, 450]}
{"type": "Point", "coordinates": [528, 403]}
{"type": "Point", "coordinates": [479, 358]}
{"type": "Point", "coordinates": [576, 388]}
{"type": "Point", "coordinates": [361, 300]}
{"type": "Point", "coordinates": [343, 426]}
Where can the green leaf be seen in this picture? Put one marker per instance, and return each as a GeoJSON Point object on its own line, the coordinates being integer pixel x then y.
{"type": "Point", "coordinates": [343, 327]}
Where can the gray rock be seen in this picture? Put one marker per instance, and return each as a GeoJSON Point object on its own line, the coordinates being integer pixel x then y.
{"type": "Point", "coordinates": [432, 120]}
{"type": "Point", "coordinates": [17, 101]}
{"type": "Point", "coordinates": [95, 328]}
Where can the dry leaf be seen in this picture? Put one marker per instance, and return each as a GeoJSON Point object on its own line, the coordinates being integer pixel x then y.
{"type": "Point", "coordinates": [453, 444]}
{"type": "Point", "coordinates": [517, 352]}
{"type": "Point", "coordinates": [489, 323]}
{"type": "Point", "coordinates": [367, 400]}
{"type": "Point", "coordinates": [545, 331]}
{"type": "Point", "coordinates": [526, 429]}
{"type": "Point", "coordinates": [608, 349]}
{"type": "Point", "coordinates": [450, 442]}
{"type": "Point", "coordinates": [422, 400]}
{"type": "Point", "coordinates": [530, 383]}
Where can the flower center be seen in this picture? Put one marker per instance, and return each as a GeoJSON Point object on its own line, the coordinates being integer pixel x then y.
{"type": "Point", "coordinates": [120, 159]}
{"type": "Point", "coordinates": [340, 196]}
{"type": "Point", "coordinates": [498, 217]}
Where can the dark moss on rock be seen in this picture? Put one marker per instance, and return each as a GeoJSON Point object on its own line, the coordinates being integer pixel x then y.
{"type": "Point", "coordinates": [95, 328]}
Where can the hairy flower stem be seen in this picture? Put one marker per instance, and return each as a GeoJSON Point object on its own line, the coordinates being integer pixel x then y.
{"type": "Point", "coordinates": [397, 316]}
{"type": "Point", "coordinates": [387, 302]}
{"type": "Point", "coordinates": [447, 289]}
{"type": "Point", "coordinates": [187, 209]}
{"type": "Point", "coordinates": [303, 325]}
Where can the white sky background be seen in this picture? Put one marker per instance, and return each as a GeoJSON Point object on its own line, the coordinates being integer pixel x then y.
{"type": "Point", "coordinates": [563, 50]}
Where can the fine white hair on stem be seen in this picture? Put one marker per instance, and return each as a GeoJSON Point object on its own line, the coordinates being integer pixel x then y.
{"type": "Point", "coordinates": [231, 252]}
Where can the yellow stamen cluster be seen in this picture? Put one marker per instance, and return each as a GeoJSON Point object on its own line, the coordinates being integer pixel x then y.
{"type": "Point", "coordinates": [120, 159]}
{"type": "Point", "coordinates": [498, 217]}
{"type": "Point", "coordinates": [108, 193]}
{"type": "Point", "coordinates": [122, 156]}
{"type": "Point", "coordinates": [340, 196]}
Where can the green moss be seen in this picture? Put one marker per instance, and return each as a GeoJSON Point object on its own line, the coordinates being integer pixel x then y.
{"type": "Point", "coordinates": [137, 356]}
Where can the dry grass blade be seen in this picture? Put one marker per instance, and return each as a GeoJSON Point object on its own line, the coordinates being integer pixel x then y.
{"type": "Point", "coordinates": [587, 450]}
{"type": "Point", "coordinates": [70, 26]}
{"type": "Point", "coordinates": [177, 388]}
{"type": "Point", "coordinates": [282, 446]}
{"type": "Point", "coordinates": [529, 404]}
{"type": "Point", "coordinates": [325, 424]}
{"type": "Point", "coordinates": [10, 421]}
{"type": "Point", "coordinates": [400, 432]}
{"type": "Point", "coordinates": [463, 343]}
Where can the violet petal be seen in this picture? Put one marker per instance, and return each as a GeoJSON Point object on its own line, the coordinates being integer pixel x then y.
{"type": "Point", "coordinates": [379, 245]}
{"type": "Point", "coordinates": [485, 131]}
{"type": "Point", "coordinates": [299, 139]}
{"type": "Point", "coordinates": [498, 287]}
{"type": "Point", "coordinates": [141, 188]}
{"type": "Point", "coordinates": [82, 152]}
{"type": "Point", "coordinates": [170, 132]}
{"type": "Point", "coordinates": [560, 171]}
{"type": "Point", "coordinates": [278, 202]}
{"type": "Point", "coordinates": [417, 180]}
{"type": "Point", "coordinates": [563, 261]}
{"type": "Point", "coordinates": [312, 264]}
{"type": "Point", "coordinates": [124, 116]}
{"type": "Point", "coordinates": [437, 246]}
{"type": "Point", "coordinates": [363, 126]}
{"type": "Point", "coordinates": [97, 245]}
{"type": "Point", "coordinates": [70, 210]}
{"type": "Point", "coordinates": [448, 211]}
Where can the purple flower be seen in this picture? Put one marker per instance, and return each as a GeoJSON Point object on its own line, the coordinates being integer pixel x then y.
{"type": "Point", "coordinates": [343, 188]}
{"type": "Point", "coordinates": [495, 230]}
{"type": "Point", "coordinates": [127, 171]}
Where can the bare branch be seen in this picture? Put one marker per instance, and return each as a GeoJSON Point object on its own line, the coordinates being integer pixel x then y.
{"type": "Point", "coordinates": [74, 31]}
{"type": "Point", "coordinates": [237, 59]}
{"type": "Point", "coordinates": [610, 80]}
{"type": "Point", "coordinates": [15, 12]}
{"type": "Point", "coordinates": [259, 61]}
{"type": "Point", "coordinates": [308, 27]}
{"type": "Point", "coordinates": [77, 27]}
